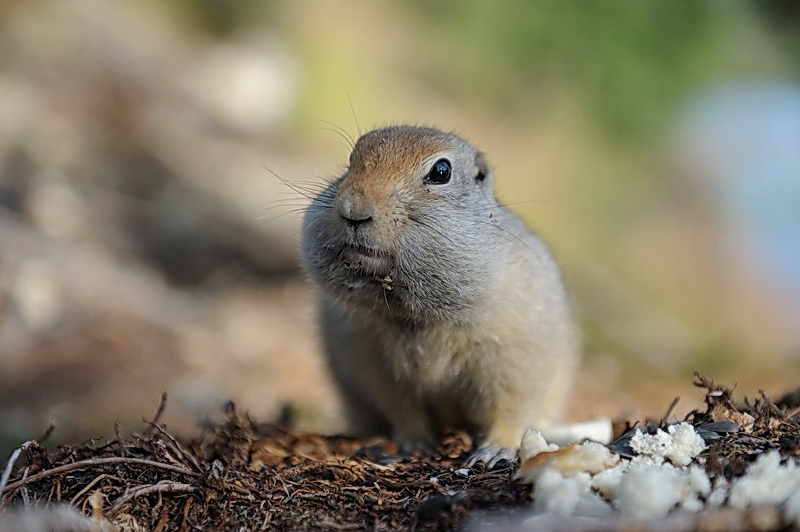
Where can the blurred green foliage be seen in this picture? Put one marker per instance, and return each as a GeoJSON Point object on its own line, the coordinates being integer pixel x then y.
{"type": "Point", "coordinates": [625, 61]}
{"type": "Point", "coordinates": [784, 16]}
{"type": "Point", "coordinates": [224, 17]}
{"type": "Point", "coordinates": [625, 64]}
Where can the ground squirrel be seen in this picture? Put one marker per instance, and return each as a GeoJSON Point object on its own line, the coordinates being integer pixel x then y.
{"type": "Point", "coordinates": [439, 308]}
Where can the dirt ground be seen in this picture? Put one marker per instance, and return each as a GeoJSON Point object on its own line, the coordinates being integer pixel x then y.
{"type": "Point", "coordinates": [245, 475]}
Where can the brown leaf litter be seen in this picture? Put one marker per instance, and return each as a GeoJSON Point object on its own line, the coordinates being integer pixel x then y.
{"type": "Point", "coordinates": [243, 475]}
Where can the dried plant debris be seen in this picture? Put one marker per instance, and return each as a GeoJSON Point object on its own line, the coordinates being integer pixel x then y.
{"type": "Point", "coordinates": [729, 467]}
{"type": "Point", "coordinates": [241, 475]}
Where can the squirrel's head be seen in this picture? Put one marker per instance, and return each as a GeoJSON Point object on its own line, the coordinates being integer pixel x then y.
{"type": "Point", "coordinates": [405, 219]}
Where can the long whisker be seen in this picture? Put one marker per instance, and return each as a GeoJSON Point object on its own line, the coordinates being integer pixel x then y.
{"type": "Point", "coordinates": [353, 110]}
{"type": "Point", "coordinates": [297, 188]}
{"type": "Point", "coordinates": [514, 238]}
{"type": "Point", "coordinates": [505, 234]}
{"type": "Point", "coordinates": [507, 205]}
{"type": "Point", "coordinates": [335, 128]}
{"type": "Point", "coordinates": [343, 140]}
{"type": "Point", "coordinates": [265, 221]}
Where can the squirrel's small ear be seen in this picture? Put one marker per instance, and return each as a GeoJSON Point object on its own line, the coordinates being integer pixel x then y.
{"type": "Point", "coordinates": [483, 166]}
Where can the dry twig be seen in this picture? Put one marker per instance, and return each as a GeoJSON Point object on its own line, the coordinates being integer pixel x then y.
{"type": "Point", "coordinates": [96, 462]}
{"type": "Point", "coordinates": [159, 487]}
{"type": "Point", "coordinates": [10, 465]}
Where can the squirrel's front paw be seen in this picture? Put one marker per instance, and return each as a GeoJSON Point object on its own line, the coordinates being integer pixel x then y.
{"type": "Point", "coordinates": [491, 454]}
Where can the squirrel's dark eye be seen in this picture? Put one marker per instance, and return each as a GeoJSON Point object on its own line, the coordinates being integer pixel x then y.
{"type": "Point", "coordinates": [440, 173]}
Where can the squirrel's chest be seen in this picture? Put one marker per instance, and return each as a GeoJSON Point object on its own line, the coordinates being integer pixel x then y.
{"type": "Point", "coordinates": [433, 360]}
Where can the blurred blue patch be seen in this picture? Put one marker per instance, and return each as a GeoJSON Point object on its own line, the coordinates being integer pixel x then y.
{"type": "Point", "coordinates": [746, 139]}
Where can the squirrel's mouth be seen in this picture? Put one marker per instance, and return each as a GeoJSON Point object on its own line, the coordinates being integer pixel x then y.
{"type": "Point", "coordinates": [366, 251]}
{"type": "Point", "coordinates": [366, 259]}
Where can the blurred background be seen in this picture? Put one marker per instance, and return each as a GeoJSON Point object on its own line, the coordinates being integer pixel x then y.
{"type": "Point", "coordinates": [148, 244]}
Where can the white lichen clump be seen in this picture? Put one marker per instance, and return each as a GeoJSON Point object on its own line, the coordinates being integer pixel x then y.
{"type": "Point", "coordinates": [588, 479]}
{"type": "Point", "coordinates": [791, 511]}
{"type": "Point", "coordinates": [563, 476]}
{"type": "Point", "coordinates": [768, 481]}
{"type": "Point", "coordinates": [648, 491]}
{"type": "Point", "coordinates": [678, 445]}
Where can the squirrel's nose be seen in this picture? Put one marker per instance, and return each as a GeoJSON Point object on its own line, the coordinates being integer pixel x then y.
{"type": "Point", "coordinates": [355, 222]}
{"type": "Point", "coordinates": [354, 209]}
